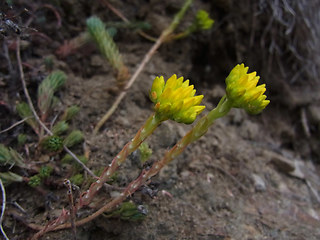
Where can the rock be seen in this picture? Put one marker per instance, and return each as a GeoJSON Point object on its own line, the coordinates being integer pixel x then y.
{"type": "Point", "coordinates": [292, 167]}
{"type": "Point", "coordinates": [166, 135]}
{"type": "Point", "coordinates": [314, 113]}
{"type": "Point", "coordinates": [282, 163]}
{"type": "Point", "coordinates": [259, 183]}
{"type": "Point", "coordinates": [249, 130]}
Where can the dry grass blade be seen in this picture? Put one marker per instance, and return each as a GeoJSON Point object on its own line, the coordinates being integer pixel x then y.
{"type": "Point", "coordinates": [15, 124]}
{"type": "Point", "coordinates": [3, 207]}
{"type": "Point", "coordinates": [120, 15]}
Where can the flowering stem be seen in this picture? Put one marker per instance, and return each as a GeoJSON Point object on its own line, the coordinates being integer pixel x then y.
{"type": "Point", "coordinates": [224, 106]}
{"type": "Point", "coordinates": [177, 18]}
{"type": "Point", "coordinates": [146, 130]}
{"type": "Point", "coordinates": [195, 133]}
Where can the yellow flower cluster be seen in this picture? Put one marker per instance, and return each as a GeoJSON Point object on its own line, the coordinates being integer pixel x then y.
{"type": "Point", "coordinates": [175, 99]}
{"type": "Point", "coordinates": [243, 91]}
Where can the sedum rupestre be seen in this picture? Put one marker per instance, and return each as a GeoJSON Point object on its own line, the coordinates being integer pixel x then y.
{"type": "Point", "coordinates": [175, 100]}
{"type": "Point", "coordinates": [203, 20]}
{"type": "Point", "coordinates": [243, 92]}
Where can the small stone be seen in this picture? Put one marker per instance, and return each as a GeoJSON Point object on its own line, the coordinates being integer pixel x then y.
{"type": "Point", "coordinates": [281, 162]}
{"type": "Point", "coordinates": [259, 183]}
{"type": "Point", "coordinates": [167, 134]}
{"type": "Point", "coordinates": [185, 174]}
{"type": "Point", "coordinates": [249, 130]}
{"type": "Point", "coordinates": [97, 61]}
{"type": "Point", "coordinates": [290, 166]}
{"type": "Point", "coordinates": [314, 112]}
{"type": "Point", "coordinates": [115, 194]}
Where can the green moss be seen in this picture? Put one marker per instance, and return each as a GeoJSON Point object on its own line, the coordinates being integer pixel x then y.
{"type": "Point", "coordinates": [5, 156]}
{"type": "Point", "coordinates": [24, 111]}
{"type": "Point", "coordinates": [34, 181]}
{"type": "Point", "coordinates": [49, 63]}
{"type": "Point", "coordinates": [52, 143]}
{"type": "Point", "coordinates": [68, 159]}
{"type": "Point", "coordinates": [73, 138]}
{"type": "Point", "coordinates": [46, 91]}
{"type": "Point", "coordinates": [70, 112]}
{"type": "Point", "coordinates": [129, 211]}
{"type": "Point", "coordinates": [60, 127]}
{"type": "Point", "coordinates": [98, 172]}
{"type": "Point", "coordinates": [9, 156]}
{"type": "Point", "coordinates": [145, 152]}
{"type": "Point", "coordinates": [107, 46]}
{"type": "Point", "coordinates": [9, 177]}
{"type": "Point", "coordinates": [22, 138]}
{"type": "Point", "coordinates": [77, 179]}
{"type": "Point", "coordinates": [45, 171]}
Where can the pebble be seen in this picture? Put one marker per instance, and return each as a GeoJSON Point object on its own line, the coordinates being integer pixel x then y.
{"type": "Point", "coordinates": [259, 183]}
{"type": "Point", "coordinates": [314, 112]}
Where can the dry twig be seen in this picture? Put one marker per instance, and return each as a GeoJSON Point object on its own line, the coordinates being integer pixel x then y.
{"type": "Point", "coordinates": [3, 207]}
{"type": "Point", "coordinates": [72, 212]}
{"type": "Point", "coordinates": [123, 18]}
{"type": "Point", "coordinates": [26, 93]}
{"type": "Point", "coordinates": [14, 125]}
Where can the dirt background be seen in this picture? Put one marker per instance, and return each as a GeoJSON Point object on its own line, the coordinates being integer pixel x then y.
{"type": "Point", "coordinates": [249, 177]}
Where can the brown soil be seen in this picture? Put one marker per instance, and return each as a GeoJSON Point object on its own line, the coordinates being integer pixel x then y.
{"type": "Point", "coordinates": [249, 177]}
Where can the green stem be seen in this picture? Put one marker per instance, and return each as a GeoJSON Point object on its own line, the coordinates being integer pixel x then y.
{"type": "Point", "coordinates": [194, 134]}
{"type": "Point", "coordinates": [145, 131]}
{"type": "Point", "coordinates": [183, 34]}
{"type": "Point", "coordinates": [177, 19]}
{"type": "Point", "coordinates": [221, 110]}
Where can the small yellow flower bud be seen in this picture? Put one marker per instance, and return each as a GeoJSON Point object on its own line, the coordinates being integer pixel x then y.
{"type": "Point", "coordinates": [175, 99]}
{"type": "Point", "coordinates": [243, 91]}
{"type": "Point", "coordinates": [157, 88]}
{"type": "Point", "coordinates": [203, 21]}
